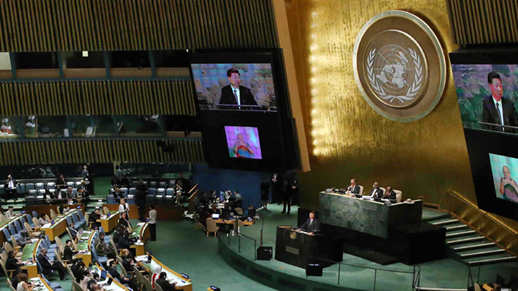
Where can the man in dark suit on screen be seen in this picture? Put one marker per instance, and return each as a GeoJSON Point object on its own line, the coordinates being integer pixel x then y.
{"type": "Point", "coordinates": [235, 94]}
{"type": "Point", "coordinates": [312, 225]}
{"type": "Point", "coordinates": [497, 110]}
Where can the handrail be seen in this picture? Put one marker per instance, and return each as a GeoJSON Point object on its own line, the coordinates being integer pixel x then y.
{"type": "Point", "coordinates": [457, 195]}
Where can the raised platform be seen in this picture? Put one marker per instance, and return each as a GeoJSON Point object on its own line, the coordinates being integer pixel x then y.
{"type": "Point", "coordinates": [354, 273]}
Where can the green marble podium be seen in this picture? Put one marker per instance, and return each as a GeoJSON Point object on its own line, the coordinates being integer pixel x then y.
{"type": "Point", "coordinates": [367, 216]}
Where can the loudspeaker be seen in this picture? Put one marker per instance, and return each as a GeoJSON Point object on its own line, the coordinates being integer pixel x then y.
{"type": "Point", "coordinates": [264, 253]}
{"type": "Point", "coordinates": [313, 270]}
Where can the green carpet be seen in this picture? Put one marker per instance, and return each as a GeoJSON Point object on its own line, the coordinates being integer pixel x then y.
{"type": "Point", "coordinates": [185, 248]}
{"type": "Point", "coordinates": [102, 187]}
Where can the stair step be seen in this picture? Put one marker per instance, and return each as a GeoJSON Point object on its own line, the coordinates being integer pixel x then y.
{"type": "Point", "coordinates": [482, 253]}
{"type": "Point", "coordinates": [492, 260]}
{"type": "Point", "coordinates": [456, 227]}
{"type": "Point", "coordinates": [465, 240]}
{"type": "Point", "coordinates": [474, 246]}
{"type": "Point", "coordinates": [460, 233]}
{"type": "Point", "coordinates": [444, 222]}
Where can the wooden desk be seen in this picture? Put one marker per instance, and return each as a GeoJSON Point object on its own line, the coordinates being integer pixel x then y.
{"type": "Point", "coordinates": [59, 227]}
{"type": "Point", "coordinates": [233, 221]}
{"type": "Point", "coordinates": [29, 258]}
{"type": "Point", "coordinates": [172, 276]}
{"type": "Point", "coordinates": [39, 284]}
{"type": "Point", "coordinates": [83, 248]}
{"type": "Point", "coordinates": [141, 231]}
{"type": "Point", "coordinates": [109, 223]}
{"type": "Point", "coordinates": [115, 285]}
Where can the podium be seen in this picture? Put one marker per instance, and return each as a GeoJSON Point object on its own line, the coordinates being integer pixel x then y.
{"type": "Point", "coordinates": [299, 248]}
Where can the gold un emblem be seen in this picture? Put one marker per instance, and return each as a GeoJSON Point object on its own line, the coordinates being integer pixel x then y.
{"type": "Point", "coordinates": [399, 66]}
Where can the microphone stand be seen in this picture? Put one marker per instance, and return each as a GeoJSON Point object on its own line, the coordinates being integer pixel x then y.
{"type": "Point", "coordinates": [261, 237]}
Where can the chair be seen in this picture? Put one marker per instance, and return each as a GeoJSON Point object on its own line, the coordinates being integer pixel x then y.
{"type": "Point", "coordinates": [31, 231]}
{"type": "Point", "coordinates": [70, 184]}
{"type": "Point", "coordinates": [239, 211]}
{"type": "Point", "coordinates": [2, 218]}
{"type": "Point", "coordinates": [75, 285]}
{"type": "Point", "coordinates": [158, 288]}
{"type": "Point", "coordinates": [51, 185]}
{"type": "Point", "coordinates": [36, 222]}
{"type": "Point", "coordinates": [29, 186]}
{"type": "Point", "coordinates": [3, 260]}
{"type": "Point", "coordinates": [399, 195]}
{"type": "Point", "coordinates": [20, 188]}
{"type": "Point", "coordinates": [212, 227]}
{"type": "Point", "coordinates": [52, 213]}
{"type": "Point", "coordinates": [41, 193]}
{"type": "Point", "coordinates": [39, 186]}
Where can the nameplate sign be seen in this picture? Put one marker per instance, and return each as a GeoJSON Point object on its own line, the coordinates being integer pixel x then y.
{"type": "Point", "coordinates": [292, 250]}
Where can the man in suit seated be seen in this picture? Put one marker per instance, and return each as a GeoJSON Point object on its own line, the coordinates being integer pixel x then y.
{"type": "Point", "coordinates": [162, 281]}
{"type": "Point", "coordinates": [496, 109]}
{"type": "Point", "coordinates": [390, 194]}
{"type": "Point", "coordinates": [94, 216]}
{"type": "Point", "coordinates": [102, 248]}
{"type": "Point", "coordinates": [68, 251]}
{"type": "Point", "coordinates": [48, 266]}
{"type": "Point", "coordinates": [376, 192]}
{"type": "Point", "coordinates": [353, 187]}
{"type": "Point", "coordinates": [312, 225]}
{"type": "Point", "coordinates": [235, 94]}
{"type": "Point", "coordinates": [112, 269]}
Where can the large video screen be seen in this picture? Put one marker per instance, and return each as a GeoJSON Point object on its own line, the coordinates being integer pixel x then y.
{"type": "Point", "coordinates": [243, 142]}
{"type": "Point", "coordinates": [505, 174]}
{"type": "Point", "coordinates": [487, 96]}
{"type": "Point", "coordinates": [238, 86]}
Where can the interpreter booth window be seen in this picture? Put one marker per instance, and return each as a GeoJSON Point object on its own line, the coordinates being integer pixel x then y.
{"type": "Point", "coordinates": [172, 64]}
{"type": "Point", "coordinates": [84, 64]}
{"type": "Point", "coordinates": [130, 64]}
{"type": "Point", "coordinates": [80, 126]}
{"type": "Point", "coordinates": [52, 126]}
{"type": "Point", "coordinates": [139, 125]}
{"type": "Point", "coordinates": [9, 127]}
{"type": "Point", "coordinates": [5, 66]}
{"type": "Point", "coordinates": [36, 65]}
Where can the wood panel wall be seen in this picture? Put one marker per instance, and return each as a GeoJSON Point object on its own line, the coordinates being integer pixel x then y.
{"type": "Point", "coordinates": [483, 21]}
{"type": "Point", "coordinates": [65, 25]}
{"type": "Point", "coordinates": [97, 98]}
{"type": "Point", "coordinates": [99, 151]}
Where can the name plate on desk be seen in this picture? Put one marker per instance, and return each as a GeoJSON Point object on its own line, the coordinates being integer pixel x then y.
{"type": "Point", "coordinates": [292, 250]}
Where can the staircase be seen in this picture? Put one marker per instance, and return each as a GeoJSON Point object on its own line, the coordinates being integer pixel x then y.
{"type": "Point", "coordinates": [469, 246]}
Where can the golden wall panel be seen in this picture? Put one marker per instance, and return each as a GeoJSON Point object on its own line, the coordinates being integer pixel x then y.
{"type": "Point", "coordinates": [56, 25]}
{"type": "Point", "coordinates": [99, 151]}
{"type": "Point", "coordinates": [97, 97]}
{"type": "Point", "coordinates": [483, 21]}
{"type": "Point", "coordinates": [347, 137]}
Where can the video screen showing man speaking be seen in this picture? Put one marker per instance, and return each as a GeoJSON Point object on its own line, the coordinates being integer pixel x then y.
{"type": "Point", "coordinates": [487, 96]}
{"type": "Point", "coordinates": [234, 86]}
